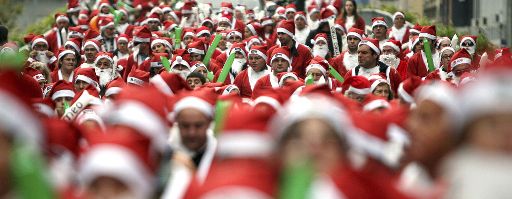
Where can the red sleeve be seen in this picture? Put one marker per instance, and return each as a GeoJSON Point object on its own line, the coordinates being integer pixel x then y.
{"type": "Point", "coordinates": [395, 79]}
{"type": "Point", "coordinates": [337, 63]}
{"type": "Point", "coordinates": [240, 82]}
{"type": "Point", "coordinates": [360, 23]}
{"type": "Point", "coordinates": [412, 66]}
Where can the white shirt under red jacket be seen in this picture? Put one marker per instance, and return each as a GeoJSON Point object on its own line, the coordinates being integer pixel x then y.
{"type": "Point", "coordinates": [344, 62]}
{"type": "Point", "coordinates": [389, 72]}
{"type": "Point", "coordinates": [418, 65]}
{"type": "Point", "coordinates": [400, 34]}
{"type": "Point", "coordinates": [269, 81]}
{"type": "Point", "coordinates": [56, 39]}
{"type": "Point", "coordinates": [246, 80]}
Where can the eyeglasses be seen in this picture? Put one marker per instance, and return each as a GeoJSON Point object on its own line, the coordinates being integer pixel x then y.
{"type": "Point", "coordinates": [468, 44]}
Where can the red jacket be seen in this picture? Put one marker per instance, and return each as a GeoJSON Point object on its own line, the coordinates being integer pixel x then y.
{"type": "Point", "coordinates": [417, 66]}
{"type": "Point", "coordinates": [299, 61]}
{"type": "Point", "coordinates": [390, 73]}
{"type": "Point", "coordinates": [338, 63]}
{"type": "Point", "coordinates": [359, 23]}
{"type": "Point", "coordinates": [53, 40]}
{"type": "Point", "coordinates": [243, 83]}
{"type": "Point", "coordinates": [269, 81]}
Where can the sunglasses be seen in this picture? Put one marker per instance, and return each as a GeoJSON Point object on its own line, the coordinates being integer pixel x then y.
{"type": "Point", "coordinates": [468, 44]}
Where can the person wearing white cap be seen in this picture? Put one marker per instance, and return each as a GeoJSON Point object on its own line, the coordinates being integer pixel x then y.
{"type": "Point", "coordinates": [399, 30]}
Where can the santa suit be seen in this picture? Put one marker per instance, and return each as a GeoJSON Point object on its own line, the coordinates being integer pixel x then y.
{"type": "Point", "coordinates": [440, 74]}
{"type": "Point", "coordinates": [246, 80]}
{"type": "Point", "coordinates": [302, 35]}
{"type": "Point", "coordinates": [269, 81]}
{"type": "Point", "coordinates": [418, 65]}
{"type": "Point", "coordinates": [344, 62]}
{"type": "Point", "coordinates": [55, 40]}
{"type": "Point", "coordinates": [56, 75]}
{"type": "Point", "coordinates": [299, 61]}
{"type": "Point", "coordinates": [401, 34]}
{"type": "Point", "coordinates": [358, 23]}
{"type": "Point", "coordinates": [390, 73]}
{"type": "Point", "coordinates": [134, 60]}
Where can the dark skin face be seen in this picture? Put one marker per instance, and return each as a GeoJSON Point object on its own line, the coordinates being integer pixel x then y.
{"type": "Point", "coordinates": [285, 39]}
{"type": "Point", "coordinates": [193, 125]}
{"type": "Point", "coordinates": [257, 63]}
{"type": "Point", "coordinates": [90, 53]}
{"type": "Point", "coordinates": [352, 43]}
{"type": "Point", "coordinates": [366, 57]}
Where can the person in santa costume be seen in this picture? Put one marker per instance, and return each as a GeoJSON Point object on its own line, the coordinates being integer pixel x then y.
{"type": "Point", "coordinates": [380, 87]}
{"type": "Point", "coordinates": [380, 30]}
{"type": "Point", "coordinates": [90, 49]}
{"type": "Point", "coordinates": [469, 43]}
{"type": "Point", "coordinates": [105, 69]}
{"type": "Point", "coordinates": [356, 88]}
{"type": "Point", "coordinates": [40, 52]}
{"type": "Point", "coordinates": [299, 54]}
{"type": "Point", "coordinates": [350, 18]}
{"type": "Point", "coordinates": [192, 140]}
{"type": "Point", "coordinates": [347, 60]}
{"type": "Point", "coordinates": [122, 51]}
{"type": "Point", "coordinates": [141, 41]}
{"type": "Point", "coordinates": [279, 62]}
{"type": "Point", "coordinates": [320, 47]}
{"type": "Point", "coordinates": [417, 65]}
{"type": "Point", "coordinates": [58, 35]}
{"type": "Point", "coordinates": [108, 35]}
{"type": "Point", "coordinates": [324, 27]}
{"type": "Point", "coordinates": [152, 22]}
{"type": "Point", "coordinates": [460, 63]}
{"type": "Point", "coordinates": [443, 73]}
{"type": "Point", "coordinates": [85, 77]}
{"type": "Point", "coordinates": [65, 66]}
{"type": "Point", "coordinates": [301, 27]}
{"type": "Point", "coordinates": [399, 31]}
{"type": "Point", "coordinates": [392, 56]}
{"type": "Point", "coordinates": [61, 92]}
{"type": "Point", "coordinates": [246, 80]}
{"type": "Point", "coordinates": [319, 70]}
{"type": "Point", "coordinates": [195, 80]}
{"type": "Point", "coordinates": [239, 64]}
{"type": "Point", "coordinates": [369, 64]}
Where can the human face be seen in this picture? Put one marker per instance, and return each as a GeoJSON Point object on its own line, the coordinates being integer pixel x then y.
{"type": "Point", "coordinates": [460, 69]}
{"type": "Point", "coordinates": [380, 32]}
{"type": "Point", "coordinates": [432, 43]}
{"type": "Point", "coordinates": [431, 136]}
{"type": "Point", "coordinates": [107, 187]}
{"type": "Point", "coordinates": [68, 62]}
{"type": "Point", "coordinates": [444, 43]}
{"type": "Point", "coordinates": [90, 53]}
{"type": "Point", "coordinates": [247, 33]}
{"type": "Point", "coordinates": [59, 104]}
{"type": "Point", "coordinates": [193, 126]}
{"type": "Point", "coordinates": [153, 25]}
{"type": "Point", "coordinates": [315, 73]}
{"type": "Point", "coordinates": [352, 43]}
{"type": "Point", "coordinates": [235, 39]}
{"type": "Point", "coordinates": [445, 58]}
{"type": "Point", "coordinates": [349, 7]}
{"type": "Point", "coordinates": [80, 85]}
{"type": "Point", "coordinates": [202, 70]}
{"type": "Point", "coordinates": [62, 24]}
{"type": "Point", "coordinates": [180, 67]}
{"type": "Point", "coordinates": [104, 64]}
{"type": "Point", "coordinates": [388, 50]}
{"type": "Point", "coordinates": [194, 82]}
{"type": "Point", "coordinates": [108, 32]}
{"type": "Point", "coordinates": [158, 48]}
{"type": "Point", "coordinates": [382, 90]}
{"type": "Point", "coordinates": [196, 57]}
{"type": "Point", "coordinates": [279, 65]}
{"type": "Point", "coordinates": [314, 16]}
{"type": "Point", "coordinates": [290, 15]}
{"type": "Point", "coordinates": [492, 133]}
{"type": "Point", "coordinates": [284, 38]}
{"type": "Point", "coordinates": [268, 29]}
{"type": "Point", "coordinates": [399, 21]}
{"type": "Point", "coordinates": [40, 46]}
{"type": "Point", "coordinates": [300, 23]}
{"type": "Point", "coordinates": [144, 48]}
{"type": "Point", "coordinates": [224, 25]}
{"type": "Point", "coordinates": [187, 39]}
{"type": "Point", "coordinates": [366, 57]}
{"type": "Point", "coordinates": [357, 97]}
{"type": "Point", "coordinates": [257, 63]}
{"type": "Point", "coordinates": [222, 43]}
{"type": "Point", "coordinates": [122, 46]}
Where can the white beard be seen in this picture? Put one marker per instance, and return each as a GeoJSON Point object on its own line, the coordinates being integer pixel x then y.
{"type": "Point", "coordinates": [321, 81]}
{"type": "Point", "coordinates": [181, 73]}
{"type": "Point", "coordinates": [320, 50]}
{"type": "Point", "coordinates": [41, 57]}
{"type": "Point", "coordinates": [105, 75]}
{"type": "Point", "coordinates": [471, 50]}
{"type": "Point", "coordinates": [228, 45]}
{"type": "Point", "coordinates": [237, 65]}
{"type": "Point", "coordinates": [390, 60]}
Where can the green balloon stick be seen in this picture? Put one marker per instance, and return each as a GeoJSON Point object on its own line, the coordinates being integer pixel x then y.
{"type": "Point", "coordinates": [428, 53]}
{"type": "Point", "coordinates": [211, 49]}
{"type": "Point", "coordinates": [166, 63]}
{"type": "Point", "coordinates": [336, 75]}
{"type": "Point", "coordinates": [226, 68]}
{"type": "Point", "coordinates": [221, 108]}
{"type": "Point", "coordinates": [210, 76]}
{"type": "Point", "coordinates": [310, 80]}
{"type": "Point", "coordinates": [177, 38]}
{"type": "Point", "coordinates": [296, 181]}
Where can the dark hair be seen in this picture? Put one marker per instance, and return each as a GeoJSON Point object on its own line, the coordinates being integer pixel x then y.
{"type": "Point", "coordinates": [197, 75]}
{"type": "Point", "coordinates": [344, 13]}
{"type": "Point", "coordinates": [4, 34]}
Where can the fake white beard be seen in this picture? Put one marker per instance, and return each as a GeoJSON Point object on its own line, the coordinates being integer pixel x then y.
{"type": "Point", "coordinates": [390, 60]}
{"type": "Point", "coordinates": [64, 34]}
{"type": "Point", "coordinates": [181, 73]}
{"type": "Point", "coordinates": [321, 81]}
{"type": "Point", "coordinates": [105, 75]}
{"type": "Point", "coordinates": [471, 50]}
{"type": "Point", "coordinates": [41, 57]}
{"type": "Point", "coordinates": [228, 45]}
{"type": "Point", "coordinates": [320, 50]}
{"type": "Point", "coordinates": [237, 65]}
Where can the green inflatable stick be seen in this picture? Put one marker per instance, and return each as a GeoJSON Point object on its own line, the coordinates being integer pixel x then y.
{"type": "Point", "coordinates": [66, 106]}
{"type": "Point", "coordinates": [226, 68]}
{"type": "Point", "coordinates": [221, 108]}
{"type": "Point", "coordinates": [166, 63]}
{"type": "Point", "coordinates": [210, 76]}
{"type": "Point", "coordinates": [296, 181]}
{"type": "Point", "coordinates": [29, 176]}
{"type": "Point", "coordinates": [211, 49]}
{"type": "Point", "coordinates": [177, 37]}
{"type": "Point", "coordinates": [335, 74]}
{"type": "Point", "coordinates": [428, 53]}
{"type": "Point", "coordinates": [310, 80]}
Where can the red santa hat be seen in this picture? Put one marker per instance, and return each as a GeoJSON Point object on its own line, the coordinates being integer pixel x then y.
{"type": "Point", "coordinates": [416, 29]}
{"type": "Point", "coordinates": [290, 8]}
{"type": "Point", "coordinates": [154, 17]}
{"type": "Point", "coordinates": [372, 43]}
{"type": "Point", "coordinates": [156, 60]}
{"type": "Point", "coordinates": [226, 89]}
{"type": "Point", "coordinates": [91, 34]}
{"type": "Point", "coordinates": [245, 134]}
{"type": "Point", "coordinates": [75, 31]}
{"type": "Point", "coordinates": [226, 7]}
{"type": "Point", "coordinates": [76, 43]}
{"type": "Point", "coordinates": [233, 33]}
{"type": "Point", "coordinates": [282, 76]}
{"type": "Point", "coordinates": [122, 37]}
{"type": "Point", "coordinates": [272, 98]}
{"type": "Point", "coordinates": [61, 17]}
{"type": "Point", "coordinates": [104, 3]}
{"type": "Point", "coordinates": [356, 33]}
{"type": "Point", "coordinates": [207, 20]}
{"type": "Point", "coordinates": [95, 43]}
{"type": "Point", "coordinates": [398, 14]}
{"type": "Point", "coordinates": [142, 34]}
{"type": "Point", "coordinates": [63, 52]}
{"type": "Point", "coordinates": [280, 12]}
{"type": "Point", "coordinates": [114, 87]}
{"type": "Point", "coordinates": [225, 18]}
{"type": "Point", "coordinates": [325, 14]}
{"type": "Point", "coordinates": [187, 8]}
{"type": "Point", "coordinates": [169, 83]}
{"type": "Point", "coordinates": [238, 48]}
{"type": "Point", "coordinates": [396, 45]}
{"type": "Point", "coordinates": [252, 41]}
{"type": "Point", "coordinates": [287, 27]}
{"type": "Point", "coordinates": [197, 47]}
{"type": "Point", "coordinates": [267, 22]}
{"type": "Point", "coordinates": [406, 88]}
{"type": "Point", "coordinates": [38, 39]}
{"type": "Point", "coordinates": [462, 56]}
{"type": "Point", "coordinates": [62, 88]}
{"type": "Point", "coordinates": [179, 60]}
{"type": "Point", "coordinates": [379, 21]}
{"type": "Point", "coordinates": [162, 40]}
{"type": "Point", "coordinates": [357, 84]}
{"type": "Point", "coordinates": [36, 74]}
{"type": "Point", "coordinates": [73, 6]}
{"type": "Point", "coordinates": [138, 77]}
{"type": "Point", "coordinates": [313, 9]}
{"type": "Point", "coordinates": [87, 75]}
{"type": "Point", "coordinates": [176, 15]}
{"type": "Point", "coordinates": [260, 51]}
{"type": "Point", "coordinates": [169, 25]}
{"type": "Point", "coordinates": [196, 65]}
{"type": "Point", "coordinates": [428, 32]}
{"type": "Point", "coordinates": [281, 52]}
{"type": "Point", "coordinates": [471, 38]}
{"type": "Point", "coordinates": [376, 80]}
{"type": "Point", "coordinates": [104, 55]}
{"type": "Point", "coordinates": [372, 102]}
{"type": "Point", "coordinates": [300, 14]}
{"type": "Point", "coordinates": [202, 101]}
{"type": "Point", "coordinates": [319, 63]}
{"type": "Point", "coordinates": [106, 22]}
{"type": "Point", "coordinates": [188, 32]}
{"type": "Point", "coordinates": [202, 30]}
{"type": "Point", "coordinates": [444, 95]}
{"type": "Point", "coordinates": [320, 37]}
{"type": "Point", "coordinates": [255, 28]}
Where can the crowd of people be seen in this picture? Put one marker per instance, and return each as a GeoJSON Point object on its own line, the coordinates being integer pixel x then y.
{"type": "Point", "coordinates": [146, 99]}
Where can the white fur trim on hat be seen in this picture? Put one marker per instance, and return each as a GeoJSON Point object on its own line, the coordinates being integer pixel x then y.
{"type": "Point", "coordinates": [162, 41]}
{"type": "Point", "coordinates": [467, 38]}
{"type": "Point", "coordinates": [189, 34]}
{"type": "Point", "coordinates": [76, 47]}
{"type": "Point", "coordinates": [360, 91]}
{"type": "Point", "coordinates": [459, 61]}
{"type": "Point", "coordinates": [87, 80]}
{"type": "Point", "coordinates": [267, 22]}
{"type": "Point", "coordinates": [392, 45]}
{"type": "Point", "coordinates": [112, 91]}
{"type": "Point", "coordinates": [62, 17]}
{"type": "Point", "coordinates": [251, 28]}
{"type": "Point", "coordinates": [259, 53]}
{"type": "Point", "coordinates": [63, 93]}
{"type": "Point", "coordinates": [230, 88]}
{"type": "Point", "coordinates": [195, 50]}
{"type": "Point", "coordinates": [287, 75]}
{"type": "Point", "coordinates": [159, 82]}
{"type": "Point", "coordinates": [93, 44]}
{"type": "Point", "coordinates": [103, 56]}
{"type": "Point", "coordinates": [375, 104]}
{"type": "Point", "coordinates": [141, 40]}
{"type": "Point", "coordinates": [379, 23]}
{"type": "Point", "coordinates": [446, 48]}
{"type": "Point", "coordinates": [136, 81]}
{"type": "Point", "coordinates": [355, 35]}
{"type": "Point", "coordinates": [202, 32]}
{"type": "Point", "coordinates": [179, 60]}
{"type": "Point", "coordinates": [234, 33]}
{"type": "Point", "coordinates": [428, 36]}
{"type": "Point", "coordinates": [369, 43]}
{"type": "Point", "coordinates": [280, 55]}
{"type": "Point", "coordinates": [268, 100]}
{"type": "Point", "coordinates": [317, 66]}
{"type": "Point", "coordinates": [406, 96]}
{"type": "Point", "coordinates": [39, 77]}
{"type": "Point", "coordinates": [39, 40]}
{"type": "Point", "coordinates": [376, 83]}
{"type": "Point", "coordinates": [64, 53]}
{"type": "Point", "coordinates": [398, 14]}
{"type": "Point", "coordinates": [283, 30]}
{"type": "Point", "coordinates": [118, 162]}
{"type": "Point", "coordinates": [194, 103]}
{"type": "Point", "coordinates": [300, 16]}
{"type": "Point", "coordinates": [245, 143]}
